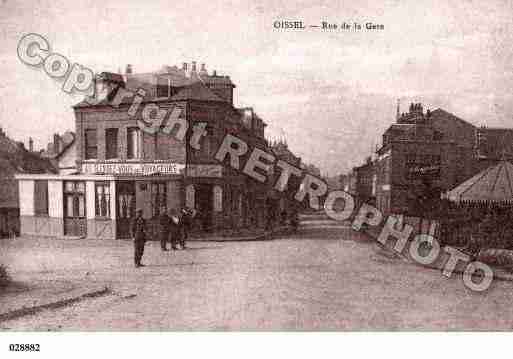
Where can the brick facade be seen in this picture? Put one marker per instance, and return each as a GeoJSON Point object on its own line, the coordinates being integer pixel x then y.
{"type": "Point", "coordinates": [423, 155]}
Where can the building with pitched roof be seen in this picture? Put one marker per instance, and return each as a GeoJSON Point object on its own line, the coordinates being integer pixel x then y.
{"type": "Point", "coordinates": [425, 154]}
{"type": "Point", "coordinates": [15, 159]}
{"type": "Point", "coordinates": [120, 167]}
{"type": "Point", "coordinates": [62, 152]}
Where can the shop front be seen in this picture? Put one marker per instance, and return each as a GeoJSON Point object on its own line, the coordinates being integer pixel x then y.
{"type": "Point", "coordinates": [96, 204]}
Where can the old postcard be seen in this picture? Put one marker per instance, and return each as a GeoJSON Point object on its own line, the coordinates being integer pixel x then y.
{"type": "Point", "coordinates": [257, 166]}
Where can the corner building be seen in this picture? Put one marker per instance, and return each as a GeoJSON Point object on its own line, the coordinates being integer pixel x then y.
{"type": "Point", "coordinates": [121, 168]}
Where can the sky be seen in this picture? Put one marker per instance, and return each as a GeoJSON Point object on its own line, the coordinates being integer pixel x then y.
{"type": "Point", "coordinates": [330, 94]}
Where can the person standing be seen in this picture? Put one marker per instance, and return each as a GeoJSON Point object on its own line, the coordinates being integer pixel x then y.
{"type": "Point", "coordinates": [187, 218]}
{"type": "Point", "coordinates": [164, 229]}
{"type": "Point", "coordinates": [138, 229]}
{"type": "Point", "coordinates": [174, 228]}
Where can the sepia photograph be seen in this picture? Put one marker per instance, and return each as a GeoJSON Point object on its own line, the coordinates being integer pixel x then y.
{"type": "Point", "coordinates": [261, 166]}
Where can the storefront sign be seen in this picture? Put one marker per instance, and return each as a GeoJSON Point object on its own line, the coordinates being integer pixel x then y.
{"type": "Point", "coordinates": [133, 169]}
{"type": "Point", "coordinates": [204, 171]}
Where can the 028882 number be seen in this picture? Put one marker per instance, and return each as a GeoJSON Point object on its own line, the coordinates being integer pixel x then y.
{"type": "Point", "coordinates": [23, 347]}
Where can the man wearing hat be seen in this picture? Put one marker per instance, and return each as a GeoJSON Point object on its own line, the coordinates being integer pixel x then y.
{"type": "Point", "coordinates": [164, 229]}
{"type": "Point", "coordinates": [175, 228]}
{"type": "Point", "coordinates": [139, 236]}
{"type": "Point", "coordinates": [187, 216]}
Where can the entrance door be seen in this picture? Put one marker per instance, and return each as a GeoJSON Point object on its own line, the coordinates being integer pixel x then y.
{"type": "Point", "coordinates": [125, 208]}
{"type": "Point", "coordinates": [204, 204]}
{"type": "Point", "coordinates": [74, 209]}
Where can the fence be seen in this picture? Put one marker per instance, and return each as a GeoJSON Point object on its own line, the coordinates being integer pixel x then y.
{"type": "Point", "coordinates": [482, 224]}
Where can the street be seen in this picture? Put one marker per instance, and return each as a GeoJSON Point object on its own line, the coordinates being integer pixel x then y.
{"type": "Point", "coordinates": [325, 278]}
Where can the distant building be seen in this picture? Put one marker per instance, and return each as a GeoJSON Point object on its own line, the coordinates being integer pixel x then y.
{"type": "Point", "coordinates": [312, 169]}
{"type": "Point", "coordinates": [62, 152]}
{"type": "Point", "coordinates": [365, 182]}
{"type": "Point", "coordinates": [426, 154]}
{"type": "Point", "coordinates": [285, 200]}
{"type": "Point", "coordinates": [15, 158]}
{"type": "Point", "coordinates": [348, 182]}
{"type": "Point", "coordinates": [493, 145]}
{"type": "Point", "coordinates": [422, 156]}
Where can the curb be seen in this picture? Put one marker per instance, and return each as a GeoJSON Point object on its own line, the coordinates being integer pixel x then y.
{"type": "Point", "coordinates": [258, 237]}
{"type": "Point", "coordinates": [17, 313]}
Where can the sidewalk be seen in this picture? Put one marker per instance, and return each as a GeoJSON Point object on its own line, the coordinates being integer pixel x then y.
{"type": "Point", "coordinates": [36, 289]}
{"type": "Point", "coordinates": [19, 299]}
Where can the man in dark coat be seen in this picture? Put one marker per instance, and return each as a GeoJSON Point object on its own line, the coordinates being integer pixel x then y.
{"type": "Point", "coordinates": [186, 221]}
{"type": "Point", "coordinates": [175, 228]}
{"type": "Point", "coordinates": [164, 229]}
{"type": "Point", "coordinates": [138, 229]}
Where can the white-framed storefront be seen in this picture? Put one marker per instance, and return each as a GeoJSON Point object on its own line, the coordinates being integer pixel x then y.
{"type": "Point", "coordinates": [91, 206]}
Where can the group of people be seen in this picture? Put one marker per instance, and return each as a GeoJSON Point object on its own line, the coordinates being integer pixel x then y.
{"type": "Point", "coordinates": [174, 227]}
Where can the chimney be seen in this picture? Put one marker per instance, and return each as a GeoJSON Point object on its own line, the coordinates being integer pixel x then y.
{"type": "Point", "coordinates": [31, 144]}
{"type": "Point", "coordinates": [184, 66]}
{"type": "Point", "coordinates": [193, 69]}
{"type": "Point", "coordinates": [203, 68]}
{"type": "Point", "coordinates": [214, 73]}
{"type": "Point", "coordinates": [56, 143]}
{"type": "Point", "coordinates": [128, 69]}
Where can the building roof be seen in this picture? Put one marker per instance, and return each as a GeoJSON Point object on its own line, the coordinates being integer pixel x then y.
{"type": "Point", "coordinates": [14, 158]}
{"type": "Point", "coordinates": [192, 88]}
{"type": "Point", "coordinates": [441, 113]}
{"type": "Point", "coordinates": [198, 92]}
{"type": "Point", "coordinates": [494, 184]}
{"type": "Point", "coordinates": [112, 77]}
{"type": "Point", "coordinates": [66, 140]}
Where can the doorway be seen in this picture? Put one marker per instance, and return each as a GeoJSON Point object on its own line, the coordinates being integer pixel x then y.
{"type": "Point", "coordinates": [204, 205]}
{"type": "Point", "coordinates": [125, 208]}
{"type": "Point", "coordinates": [74, 209]}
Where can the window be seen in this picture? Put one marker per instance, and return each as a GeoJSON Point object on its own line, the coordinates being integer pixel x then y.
{"type": "Point", "coordinates": [158, 197]}
{"type": "Point", "coordinates": [41, 198]}
{"type": "Point", "coordinates": [74, 199]}
{"type": "Point", "coordinates": [126, 200]}
{"type": "Point", "coordinates": [133, 141]}
{"type": "Point", "coordinates": [102, 199]}
{"type": "Point", "coordinates": [111, 143]}
{"type": "Point", "coordinates": [438, 136]}
{"type": "Point", "coordinates": [91, 149]}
